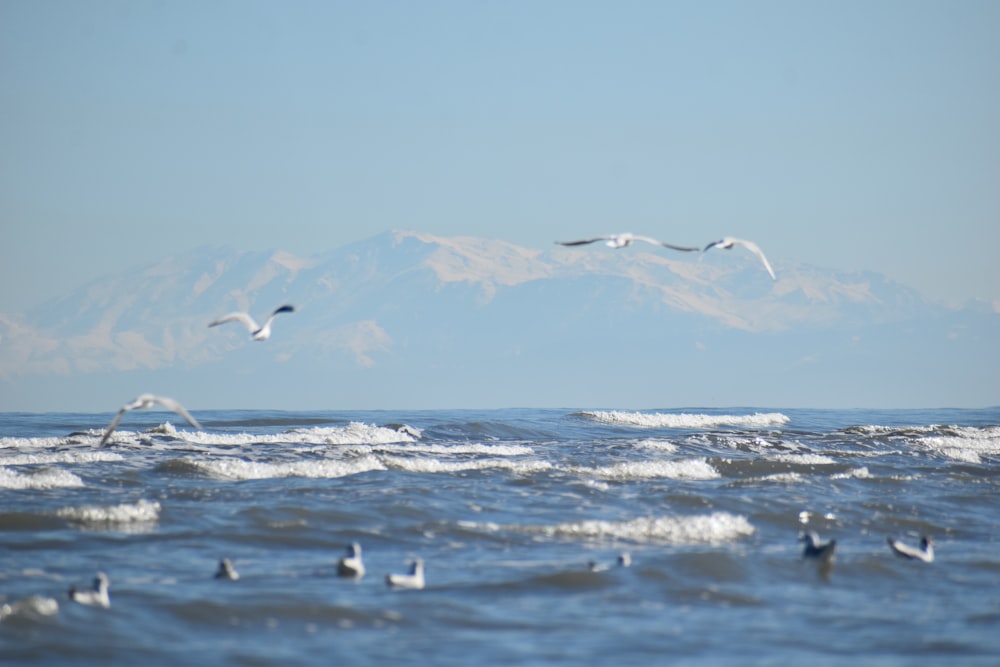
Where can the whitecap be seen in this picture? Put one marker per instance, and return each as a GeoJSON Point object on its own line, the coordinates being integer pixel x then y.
{"type": "Point", "coordinates": [465, 448]}
{"type": "Point", "coordinates": [241, 469]}
{"type": "Point", "coordinates": [43, 479]}
{"type": "Point", "coordinates": [36, 605]}
{"type": "Point", "coordinates": [355, 433]}
{"type": "Point", "coordinates": [688, 469]}
{"type": "Point", "coordinates": [652, 444]}
{"type": "Point", "coordinates": [61, 457]}
{"type": "Point", "coordinates": [715, 528]}
{"type": "Point", "coordinates": [855, 473]}
{"type": "Point", "coordinates": [141, 511]}
{"type": "Point", "coordinates": [969, 445]}
{"type": "Point", "coordinates": [667, 420]}
{"type": "Point", "coordinates": [431, 465]}
{"type": "Point", "coordinates": [803, 459]}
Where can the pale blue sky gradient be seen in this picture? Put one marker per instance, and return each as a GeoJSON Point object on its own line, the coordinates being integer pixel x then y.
{"type": "Point", "coordinates": [852, 135]}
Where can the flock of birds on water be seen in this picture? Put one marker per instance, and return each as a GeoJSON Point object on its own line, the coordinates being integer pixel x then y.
{"type": "Point", "coordinates": [351, 564]}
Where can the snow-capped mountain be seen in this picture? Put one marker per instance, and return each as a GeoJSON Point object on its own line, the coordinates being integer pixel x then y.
{"type": "Point", "coordinates": [411, 320]}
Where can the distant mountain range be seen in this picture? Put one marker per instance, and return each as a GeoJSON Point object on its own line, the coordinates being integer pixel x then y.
{"type": "Point", "coordinates": [406, 319]}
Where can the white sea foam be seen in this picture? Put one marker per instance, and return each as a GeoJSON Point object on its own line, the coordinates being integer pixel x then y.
{"type": "Point", "coordinates": [464, 448]}
{"type": "Point", "coordinates": [854, 473]}
{"type": "Point", "coordinates": [36, 605]}
{"type": "Point", "coordinates": [657, 445]}
{"type": "Point", "coordinates": [61, 457]}
{"type": "Point", "coordinates": [355, 433]}
{"type": "Point", "coordinates": [141, 511]}
{"type": "Point", "coordinates": [42, 479]}
{"type": "Point", "coordinates": [687, 469]}
{"type": "Point", "coordinates": [666, 420]}
{"type": "Point", "coordinates": [803, 459]}
{"type": "Point", "coordinates": [969, 446]}
{"type": "Point", "coordinates": [715, 528]}
{"type": "Point", "coordinates": [31, 443]}
{"type": "Point", "coordinates": [432, 465]}
{"type": "Point", "coordinates": [241, 469]}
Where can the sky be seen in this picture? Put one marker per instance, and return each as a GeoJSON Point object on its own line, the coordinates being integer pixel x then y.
{"type": "Point", "coordinates": [851, 135]}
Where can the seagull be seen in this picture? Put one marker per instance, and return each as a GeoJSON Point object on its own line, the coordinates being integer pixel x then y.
{"type": "Point", "coordinates": [728, 242]}
{"type": "Point", "coordinates": [413, 580]}
{"type": "Point", "coordinates": [924, 553]}
{"type": "Point", "coordinates": [351, 564]}
{"type": "Point", "coordinates": [823, 552]}
{"type": "Point", "coordinates": [257, 332]}
{"type": "Point", "coordinates": [96, 597]}
{"type": "Point", "coordinates": [624, 560]}
{"type": "Point", "coordinates": [145, 401]}
{"type": "Point", "coordinates": [625, 240]}
{"type": "Point", "coordinates": [227, 571]}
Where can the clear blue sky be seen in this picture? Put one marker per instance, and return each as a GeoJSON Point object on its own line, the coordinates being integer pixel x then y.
{"type": "Point", "coordinates": [852, 135]}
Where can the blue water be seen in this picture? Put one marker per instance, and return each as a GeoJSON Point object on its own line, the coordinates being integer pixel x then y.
{"type": "Point", "coordinates": [509, 509]}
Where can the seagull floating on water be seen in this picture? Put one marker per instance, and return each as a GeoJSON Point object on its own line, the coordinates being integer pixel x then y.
{"type": "Point", "coordinates": [624, 560]}
{"type": "Point", "coordinates": [924, 553]}
{"type": "Point", "coordinates": [625, 240]}
{"type": "Point", "coordinates": [821, 551]}
{"type": "Point", "coordinates": [728, 242]}
{"type": "Point", "coordinates": [414, 579]}
{"type": "Point", "coordinates": [351, 565]}
{"type": "Point", "coordinates": [227, 571]}
{"type": "Point", "coordinates": [144, 401]}
{"type": "Point", "coordinates": [97, 596]}
{"type": "Point", "coordinates": [257, 332]}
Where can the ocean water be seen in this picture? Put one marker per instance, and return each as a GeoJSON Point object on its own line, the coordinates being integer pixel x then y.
{"type": "Point", "coordinates": [520, 517]}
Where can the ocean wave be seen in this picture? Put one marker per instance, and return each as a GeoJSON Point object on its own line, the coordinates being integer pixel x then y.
{"type": "Point", "coordinates": [667, 420]}
{"type": "Point", "coordinates": [355, 433]}
{"type": "Point", "coordinates": [716, 528]}
{"type": "Point", "coordinates": [36, 606]}
{"type": "Point", "coordinates": [803, 459]}
{"type": "Point", "coordinates": [233, 469]}
{"type": "Point", "coordinates": [141, 511]}
{"type": "Point", "coordinates": [656, 445]}
{"type": "Point", "coordinates": [854, 473]}
{"type": "Point", "coordinates": [689, 469]}
{"type": "Point", "coordinates": [466, 448]}
{"type": "Point", "coordinates": [60, 457]}
{"type": "Point", "coordinates": [967, 444]}
{"type": "Point", "coordinates": [30, 443]}
{"type": "Point", "coordinates": [42, 479]}
{"type": "Point", "coordinates": [431, 465]}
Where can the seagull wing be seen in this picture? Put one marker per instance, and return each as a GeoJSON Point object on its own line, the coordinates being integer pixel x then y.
{"type": "Point", "coordinates": [652, 241]}
{"type": "Point", "coordinates": [173, 405]}
{"type": "Point", "coordinates": [582, 241]}
{"type": "Point", "coordinates": [242, 318]}
{"type": "Point", "coordinates": [114, 424]}
{"type": "Point", "coordinates": [284, 309]}
{"type": "Point", "coordinates": [752, 247]}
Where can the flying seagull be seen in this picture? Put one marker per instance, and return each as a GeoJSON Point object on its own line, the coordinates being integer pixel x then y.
{"type": "Point", "coordinates": [351, 565]}
{"type": "Point", "coordinates": [227, 571]}
{"type": "Point", "coordinates": [924, 553]}
{"type": "Point", "coordinates": [625, 240]}
{"type": "Point", "coordinates": [257, 332]}
{"type": "Point", "coordinates": [821, 551]}
{"type": "Point", "coordinates": [414, 579]}
{"type": "Point", "coordinates": [728, 242]}
{"type": "Point", "coordinates": [97, 596]}
{"type": "Point", "coordinates": [147, 401]}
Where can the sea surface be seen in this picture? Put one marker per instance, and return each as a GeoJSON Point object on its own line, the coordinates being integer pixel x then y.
{"type": "Point", "coordinates": [520, 517]}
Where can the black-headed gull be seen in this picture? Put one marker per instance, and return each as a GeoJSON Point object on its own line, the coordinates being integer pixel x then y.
{"type": "Point", "coordinates": [145, 401]}
{"type": "Point", "coordinates": [413, 579]}
{"type": "Point", "coordinates": [925, 552]}
{"type": "Point", "coordinates": [257, 332]}
{"type": "Point", "coordinates": [97, 596]}
{"type": "Point", "coordinates": [351, 565]}
{"type": "Point", "coordinates": [227, 571]}
{"type": "Point", "coordinates": [821, 551]}
{"type": "Point", "coordinates": [728, 242]}
{"type": "Point", "coordinates": [625, 240]}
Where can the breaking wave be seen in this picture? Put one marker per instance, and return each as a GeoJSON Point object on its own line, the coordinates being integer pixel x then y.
{"type": "Point", "coordinates": [667, 420]}
{"type": "Point", "coordinates": [713, 529]}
